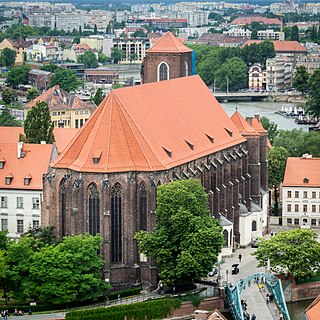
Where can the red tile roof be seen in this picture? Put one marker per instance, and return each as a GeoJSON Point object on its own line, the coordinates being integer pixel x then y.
{"type": "Point", "coordinates": [257, 125]}
{"type": "Point", "coordinates": [62, 135]}
{"type": "Point", "coordinates": [169, 43]}
{"type": "Point", "coordinates": [297, 169]}
{"type": "Point", "coordinates": [35, 163]}
{"type": "Point", "coordinates": [59, 99]}
{"type": "Point", "coordinates": [244, 127]}
{"type": "Point", "coordinates": [151, 127]}
{"type": "Point", "coordinates": [241, 21]}
{"type": "Point", "coordinates": [282, 46]}
{"type": "Point", "coordinates": [313, 311]}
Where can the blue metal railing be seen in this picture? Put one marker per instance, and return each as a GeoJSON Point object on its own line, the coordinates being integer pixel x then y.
{"type": "Point", "coordinates": [273, 284]}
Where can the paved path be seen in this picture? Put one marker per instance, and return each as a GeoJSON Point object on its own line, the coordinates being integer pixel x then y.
{"type": "Point", "coordinates": [255, 299]}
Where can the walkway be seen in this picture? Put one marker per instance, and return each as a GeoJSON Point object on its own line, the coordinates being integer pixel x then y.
{"type": "Point", "coordinates": [255, 300]}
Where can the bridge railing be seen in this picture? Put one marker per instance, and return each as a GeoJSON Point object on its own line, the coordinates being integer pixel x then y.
{"type": "Point", "coordinates": [273, 284]}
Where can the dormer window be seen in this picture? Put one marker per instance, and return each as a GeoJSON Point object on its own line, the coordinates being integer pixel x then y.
{"type": "Point", "coordinates": [27, 179]}
{"type": "Point", "coordinates": [2, 162]}
{"type": "Point", "coordinates": [96, 156]}
{"type": "Point", "coordinates": [9, 179]}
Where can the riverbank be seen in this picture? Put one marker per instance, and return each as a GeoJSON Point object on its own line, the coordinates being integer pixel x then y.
{"type": "Point", "coordinates": [288, 97]}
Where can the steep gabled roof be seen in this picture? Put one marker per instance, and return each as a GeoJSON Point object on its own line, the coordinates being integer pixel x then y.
{"type": "Point", "coordinates": [243, 126]}
{"type": "Point", "coordinates": [34, 163]}
{"type": "Point", "coordinates": [313, 311]}
{"type": "Point", "coordinates": [151, 127]}
{"type": "Point", "coordinates": [59, 99]}
{"type": "Point", "coordinates": [302, 172]}
{"type": "Point", "coordinates": [170, 44]}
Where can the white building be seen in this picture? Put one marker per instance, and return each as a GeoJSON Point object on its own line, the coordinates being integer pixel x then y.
{"type": "Point", "coordinates": [238, 32]}
{"type": "Point", "coordinates": [21, 169]}
{"type": "Point", "coordinates": [70, 21]}
{"type": "Point", "coordinates": [100, 18]}
{"type": "Point", "coordinates": [38, 20]}
{"type": "Point", "coordinates": [270, 34]}
{"type": "Point", "coordinates": [301, 193]}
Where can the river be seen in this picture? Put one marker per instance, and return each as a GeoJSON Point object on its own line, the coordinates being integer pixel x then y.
{"type": "Point", "coordinates": [264, 108]}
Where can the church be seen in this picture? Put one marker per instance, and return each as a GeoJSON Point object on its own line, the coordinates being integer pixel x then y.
{"type": "Point", "coordinates": [105, 181]}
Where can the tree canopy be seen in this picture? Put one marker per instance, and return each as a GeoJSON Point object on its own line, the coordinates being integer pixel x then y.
{"type": "Point", "coordinates": [116, 55]}
{"type": "Point", "coordinates": [9, 96]}
{"type": "Point", "coordinates": [296, 251]}
{"type": "Point", "coordinates": [187, 240]}
{"type": "Point", "coordinates": [271, 127]}
{"type": "Point", "coordinates": [32, 93]}
{"type": "Point", "coordinates": [89, 59]}
{"type": "Point", "coordinates": [8, 57]}
{"type": "Point", "coordinates": [300, 79]}
{"type": "Point", "coordinates": [313, 102]}
{"type": "Point", "coordinates": [18, 75]}
{"type": "Point", "coordinates": [66, 79]}
{"type": "Point", "coordinates": [277, 158]}
{"type": "Point", "coordinates": [38, 125]}
{"type": "Point", "coordinates": [98, 97]}
{"type": "Point", "coordinates": [7, 119]}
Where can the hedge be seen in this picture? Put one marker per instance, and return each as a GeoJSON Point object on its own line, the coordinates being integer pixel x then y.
{"type": "Point", "coordinates": [155, 309]}
{"type": "Point", "coordinates": [123, 293]}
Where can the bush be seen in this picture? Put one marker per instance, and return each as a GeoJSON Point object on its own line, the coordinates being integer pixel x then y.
{"type": "Point", "coordinates": [123, 293]}
{"type": "Point", "coordinates": [156, 309]}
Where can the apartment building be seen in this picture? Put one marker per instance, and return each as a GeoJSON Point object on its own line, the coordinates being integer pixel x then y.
{"type": "Point", "coordinates": [301, 193]}
{"type": "Point", "coordinates": [270, 34]}
{"type": "Point", "coordinates": [257, 78]}
{"type": "Point", "coordinates": [70, 21]}
{"type": "Point", "coordinates": [38, 20]}
{"type": "Point", "coordinates": [22, 167]}
{"type": "Point", "coordinates": [238, 32]}
{"type": "Point", "coordinates": [99, 18]}
{"type": "Point", "coordinates": [279, 74]}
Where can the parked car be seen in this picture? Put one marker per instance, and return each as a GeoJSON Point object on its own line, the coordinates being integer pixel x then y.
{"type": "Point", "coordinates": [255, 243]}
{"type": "Point", "coordinates": [213, 272]}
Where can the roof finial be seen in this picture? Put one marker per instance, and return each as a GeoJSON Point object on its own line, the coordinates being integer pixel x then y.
{"type": "Point", "coordinates": [236, 108]}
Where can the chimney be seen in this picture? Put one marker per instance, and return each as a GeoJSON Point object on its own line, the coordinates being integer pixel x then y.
{"type": "Point", "coordinates": [257, 117]}
{"type": "Point", "coordinates": [20, 145]}
{"type": "Point", "coordinates": [249, 120]}
{"type": "Point", "coordinates": [43, 142]}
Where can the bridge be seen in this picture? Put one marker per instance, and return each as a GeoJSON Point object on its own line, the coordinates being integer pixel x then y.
{"type": "Point", "coordinates": [258, 304]}
{"type": "Point", "coordinates": [239, 96]}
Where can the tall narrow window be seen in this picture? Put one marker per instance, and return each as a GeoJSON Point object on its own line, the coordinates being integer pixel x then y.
{"type": "Point", "coordinates": [254, 226]}
{"type": "Point", "coordinates": [225, 237]}
{"type": "Point", "coordinates": [94, 209]}
{"type": "Point", "coordinates": [163, 71]}
{"type": "Point", "coordinates": [143, 207]}
{"type": "Point", "coordinates": [116, 223]}
{"type": "Point", "coordinates": [63, 207]}
{"type": "Point", "coordinates": [186, 68]}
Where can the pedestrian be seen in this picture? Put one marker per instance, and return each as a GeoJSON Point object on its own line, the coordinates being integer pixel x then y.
{"type": "Point", "coordinates": [271, 297]}
{"type": "Point", "coordinates": [275, 310]}
{"type": "Point", "coordinates": [267, 298]}
{"type": "Point", "coordinates": [253, 317]}
{"type": "Point", "coordinates": [247, 316]}
{"type": "Point", "coordinates": [249, 283]}
{"type": "Point", "coordinates": [240, 257]}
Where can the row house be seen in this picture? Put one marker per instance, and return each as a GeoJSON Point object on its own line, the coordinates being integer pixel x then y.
{"type": "Point", "coordinates": [238, 32]}
{"type": "Point", "coordinates": [301, 193]}
{"type": "Point", "coordinates": [270, 34]}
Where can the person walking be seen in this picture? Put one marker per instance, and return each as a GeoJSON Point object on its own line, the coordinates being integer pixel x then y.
{"type": "Point", "coordinates": [253, 317]}
{"type": "Point", "coordinates": [240, 257]}
{"type": "Point", "coordinates": [275, 310]}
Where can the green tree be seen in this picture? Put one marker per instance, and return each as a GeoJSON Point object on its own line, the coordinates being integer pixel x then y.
{"type": "Point", "coordinates": [38, 125]}
{"type": "Point", "coordinates": [295, 33]}
{"type": "Point", "coordinates": [69, 271]}
{"type": "Point", "coordinates": [187, 240]}
{"type": "Point", "coordinates": [102, 58]}
{"type": "Point", "coordinates": [67, 80]}
{"type": "Point", "coordinates": [277, 158]}
{"type": "Point", "coordinates": [9, 57]}
{"type": "Point", "coordinates": [271, 127]}
{"type": "Point", "coordinates": [89, 59]}
{"type": "Point", "coordinates": [98, 97]}
{"type": "Point", "coordinates": [8, 120]}
{"type": "Point", "coordinates": [116, 55]}
{"type": "Point", "coordinates": [50, 67]}
{"type": "Point", "coordinates": [18, 75]}
{"type": "Point", "coordinates": [313, 102]}
{"type": "Point", "coordinates": [140, 33]}
{"type": "Point", "coordinates": [32, 93]}
{"type": "Point", "coordinates": [95, 29]}
{"type": "Point", "coordinates": [9, 96]}
{"type": "Point", "coordinates": [300, 79]}
{"type": "Point", "coordinates": [266, 50]}
{"type": "Point", "coordinates": [232, 73]}
{"type": "Point", "coordinates": [292, 140]}
{"type": "Point", "coordinates": [297, 251]}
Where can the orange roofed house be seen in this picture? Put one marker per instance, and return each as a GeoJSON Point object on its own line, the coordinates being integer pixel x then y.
{"type": "Point", "coordinates": [22, 167]}
{"type": "Point", "coordinates": [301, 193]}
{"type": "Point", "coordinates": [66, 110]}
{"type": "Point", "coordinates": [105, 180]}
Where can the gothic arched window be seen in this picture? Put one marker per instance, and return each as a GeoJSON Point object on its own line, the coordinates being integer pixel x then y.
{"type": "Point", "coordinates": [63, 207]}
{"type": "Point", "coordinates": [143, 207]}
{"type": "Point", "coordinates": [94, 209]}
{"type": "Point", "coordinates": [186, 68]}
{"type": "Point", "coordinates": [225, 237]}
{"type": "Point", "coordinates": [254, 225]}
{"type": "Point", "coordinates": [163, 71]}
{"type": "Point", "coordinates": [116, 223]}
